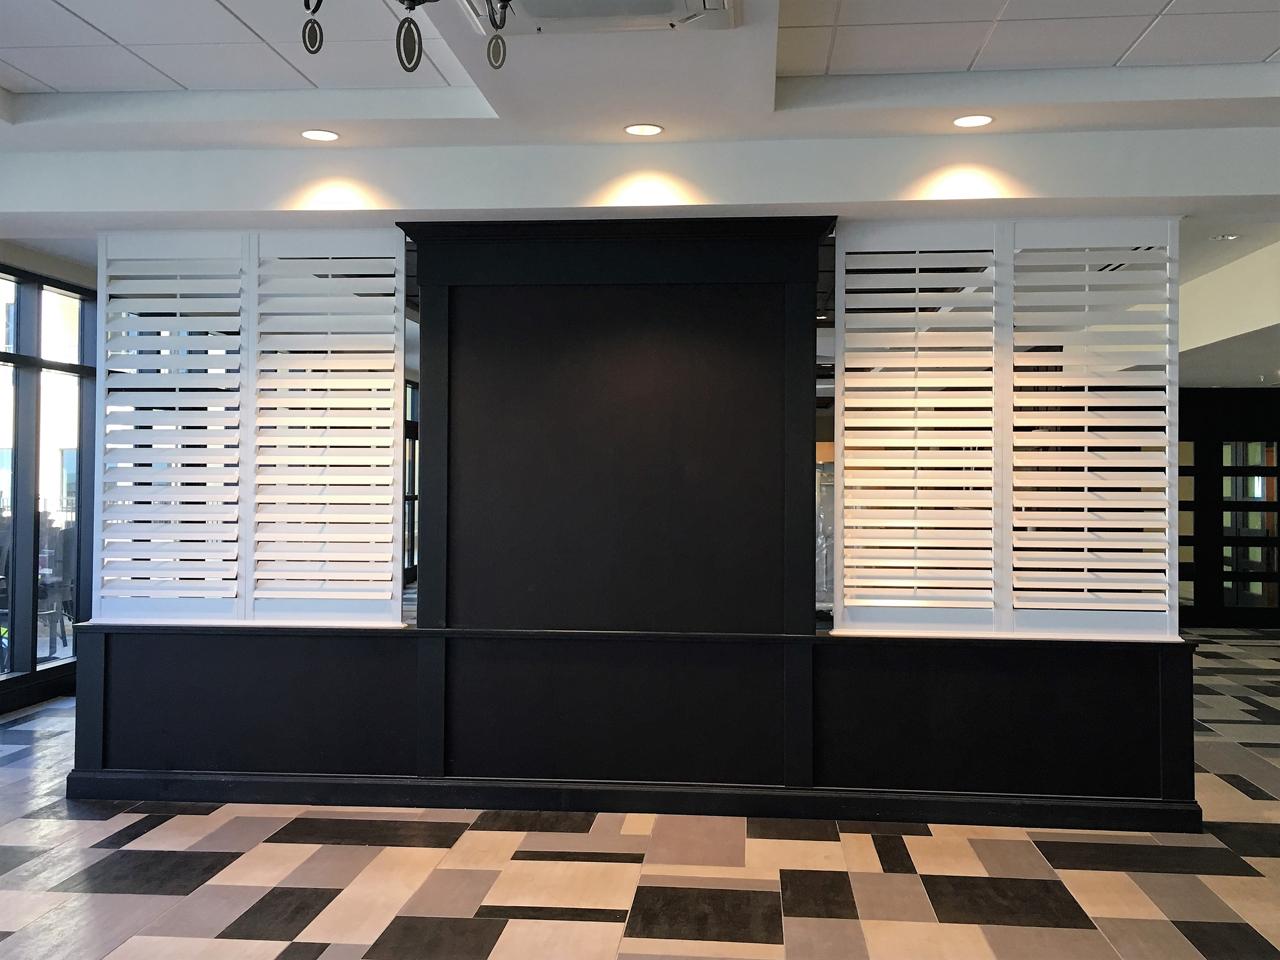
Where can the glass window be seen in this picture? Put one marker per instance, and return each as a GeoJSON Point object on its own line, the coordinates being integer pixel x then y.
{"type": "Point", "coordinates": [1186, 453]}
{"type": "Point", "coordinates": [1241, 523]}
{"type": "Point", "coordinates": [1250, 593]}
{"type": "Point", "coordinates": [6, 512]}
{"type": "Point", "coordinates": [59, 326]}
{"type": "Point", "coordinates": [1237, 559]}
{"type": "Point", "coordinates": [1249, 488]}
{"type": "Point", "coordinates": [8, 315]}
{"type": "Point", "coordinates": [58, 508]}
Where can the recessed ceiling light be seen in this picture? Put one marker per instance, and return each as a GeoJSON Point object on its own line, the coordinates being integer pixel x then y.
{"type": "Point", "coordinates": [643, 129]}
{"type": "Point", "coordinates": [976, 120]}
{"type": "Point", "coordinates": [1227, 236]}
{"type": "Point", "coordinates": [324, 136]}
{"type": "Point", "coordinates": [822, 316]}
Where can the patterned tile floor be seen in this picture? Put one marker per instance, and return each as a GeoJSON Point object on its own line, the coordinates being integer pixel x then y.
{"type": "Point", "coordinates": [166, 881]}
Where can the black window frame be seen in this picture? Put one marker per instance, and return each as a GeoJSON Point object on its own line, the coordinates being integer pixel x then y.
{"type": "Point", "coordinates": [28, 680]}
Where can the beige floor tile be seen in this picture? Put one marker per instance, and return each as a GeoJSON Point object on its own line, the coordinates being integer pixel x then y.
{"type": "Point", "coordinates": [795, 855]}
{"type": "Point", "coordinates": [608, 824]}
{"type": "Point", "coordinates": [944, 856]}
{"type": "Point", "coordinates": [266, 864]}
{"type": "Point", "coordinates": [1017, 859]}
{"type": "Point", "coordinates": [446, 815]}
{"type": "Point", "coordinates": [1223, 802]}
{"type": "Point", "coordinates": [95, 831]}
{"type": "Point", "coordinates": [639, 824]}
{"type": "Point", "coordinates": [206, 912]}
{"type": "Point", "coordinates": [178, 833]}
{"type": "Point", "coordinates": [591, 842]}
{"type": "Point", "coordinates": [889, 940]}
{"type": "Point", "coordinates": [240, 834]}
{"type": "Point", "coordinates": [693, 841]}
{"type": "Point", "coordinates": [891, 896]}
{"type": "Point", "coordinates": [811, 938]}
{"type": "Point", "coordinates": [1147, 940]}
{"type": "Point", "coordinates": [1047, 943]}
{"type": "Point", "coordinates": [20, 907]}
{"type": "Point", "coordinates": [1270, 930]}
{"type": "Point", "coordinates": [482, 850]}
{"type": "Point", "coordinates": [362, 911]}
{"type": "Point", "coordinates": [1184, 897]}
{"type": "Point", "coordinates": [557, 940]}
{"type": "Point", "coordinates": [1267, 866]}
{"type": "Point", "coordinates": [40, 833]}
{"type": "Point", "coordinates": [709, 949]}
{"type": "Point", "coordinates": [1104, 894]}
{"type": "Point", "coordinates": [364, 813]}
{"type": "Point", "coordinates": [565, 883]}
{"type": "Point", "coordinates": [860, 853]}
{"type": "Point", "coordinates": [450, 893]}
{"type": "Point", "coordinates": [190, 948]}
{"type": "Point", "coordinates": [1256, 899]}
{"type": "Point", "coordinates": [331, 867]}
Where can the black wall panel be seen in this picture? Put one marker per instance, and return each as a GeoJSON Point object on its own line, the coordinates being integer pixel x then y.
{"type": "Point", "coordinates": [680, 711]}
{"type": "Point", "coordinates": [262, 700]}
{"type": "Point", "coordinates": [1029, 717]}
{"type": "Point", "coordinates": [615, 458]}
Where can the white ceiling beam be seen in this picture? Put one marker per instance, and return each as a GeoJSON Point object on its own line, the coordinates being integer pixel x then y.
{"type": "Point", "coordinates": [1154, 171]}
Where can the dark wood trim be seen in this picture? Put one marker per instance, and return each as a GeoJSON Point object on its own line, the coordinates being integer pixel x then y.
{"type": "Point", "coordinates": [91, 698]}
{"type": "Point", "coordinates": [433, 468]}
{"type": "Point", "coordinates": [797, 701]}
{"type": "Point", "coordinates": [431, 684]}
{"type": "Point", "coordinates": [919, 807]}
{"type": "Point", "coordinates": [797, 459]}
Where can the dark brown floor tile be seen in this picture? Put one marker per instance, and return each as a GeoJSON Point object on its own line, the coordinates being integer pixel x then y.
{"type": "Point", "coordinates": [158, 872]}
{"type": "Point", "coordinates": [1248, 839]}
{"type": "Point", "coordinates": [534, 821]}
{"type": "Point", "coordinates": [175, 808]}
{"type": "Point", "coordinates": [584, 856]}
{"type": "Point", "coordinates": [884, 828]}
{"type": "Point", "coordinates": [1004, 901]}
{"type": "Point", "coordinates": [1147, 939]}
{"type": "Point", "coordinates": [369, 833]}
{"type": "Point", "coordinates": [768, 828]}
{"type": "Point", "coordinates": [893, 854]}
{"type": "Point", "coordinates": [303, 951]}
{"type": "Point", "coordinates": [580, 914]}
{"type": "Point", "coordinates": [1143, 858]}
{"type": "Point", "coordinates": [80, 810]}
{"type": "Point", "coordinates": [280, 914]}
{"type": "Point", "coordinates": [11, 857]}
{"type": "Point", "coordinates": [132, 832]}
{"type": "Point", "coordinates": [436, 938]}
{"type": "Point", "coordinates": [817, 893]}
{"type": "Point", "coordinates": [684, 913]}
{"type": "Point", "coordinates": [1227, 941]}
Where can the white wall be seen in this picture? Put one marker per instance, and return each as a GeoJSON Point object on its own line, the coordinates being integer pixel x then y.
{"type": "Point", "coordinates": [55, 268]}
{"type": "Point", "coordinates": [1237, 298]}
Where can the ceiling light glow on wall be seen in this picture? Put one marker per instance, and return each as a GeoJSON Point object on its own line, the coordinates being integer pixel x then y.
{"type": "Point", "coordinates": [974, 120]}
{"type": "Point", "coordinates": [321, 136]}
{"type": "Point", "coordinates": [643, 129]}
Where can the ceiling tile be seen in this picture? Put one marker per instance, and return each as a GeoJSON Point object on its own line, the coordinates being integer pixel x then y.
{"type": "Point", "coordinates": [15, 81]}
{"type": "Point", "coordinates": [802, 51]}
{"type": "Point", "coordinates": [1083, 42]}
{"type": "Point", "coordinates": [807, 13]}
{"type": "Point", "coordinates": [42, 23]}
{"type": "Point", "coordinates": [1208, 38]}
{"type": "Point", "coordinates": [1061, 9]}
{"type": "Point", "coordinates": [918, 11]}
{"type": "Point", "coordinates": [450, 67]}
{"type": "Point", "coordinates": [163, 21]}
{"type": "Point", "coordinates": [223, 66]}
{"type": "Point", "coordinates": [88, 69]}
{"type": "Point", "coordinates": [1225, 6]}
{"type": "Point", "coordinates": [361, 64]}
{"type": "Point", "coordinates": [342, 21]}
{"type": "Point", "coordinates": [907, 48]}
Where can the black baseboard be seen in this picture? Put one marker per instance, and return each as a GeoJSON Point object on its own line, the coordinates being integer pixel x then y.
{"type": "Point", "coordinates": [1172, 816]}
{"type": "Point", "coordinates": [46, 684]}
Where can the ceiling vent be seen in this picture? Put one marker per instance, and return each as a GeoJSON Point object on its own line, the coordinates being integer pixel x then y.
{"type": "Point", "coordinates": [606, 16]}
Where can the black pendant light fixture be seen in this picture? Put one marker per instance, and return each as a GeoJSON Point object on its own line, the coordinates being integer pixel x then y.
{"type": "Point", "coordinates": [409, 34]}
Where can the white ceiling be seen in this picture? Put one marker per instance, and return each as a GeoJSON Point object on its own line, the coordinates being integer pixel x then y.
{"type": "Point", "coordinates": [856, 37]}
{"type": "Point", "coordinates": [101, 46]}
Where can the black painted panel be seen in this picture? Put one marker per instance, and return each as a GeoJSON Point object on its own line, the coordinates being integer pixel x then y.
{"type": "Point", "coordinates": [616, 458]}
{"type": "Point", "coordinates": [262, 701]}
{"type": "Point", "coordinates": [999, 717]}
{"type": "Point", "coordinates": [601, 709]}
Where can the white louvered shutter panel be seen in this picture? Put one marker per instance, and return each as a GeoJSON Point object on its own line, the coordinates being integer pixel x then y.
{"type": "Point", "coordinates": [1006, 416]}
{"type": "Point", "coordinates": [916, 399]}
{"type": "Point", "coordinates": [329, 431]}
{"type": "Point", "coordinates": [170, 411]}
{"type": "Point", "coordinates": [1093, 346]}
